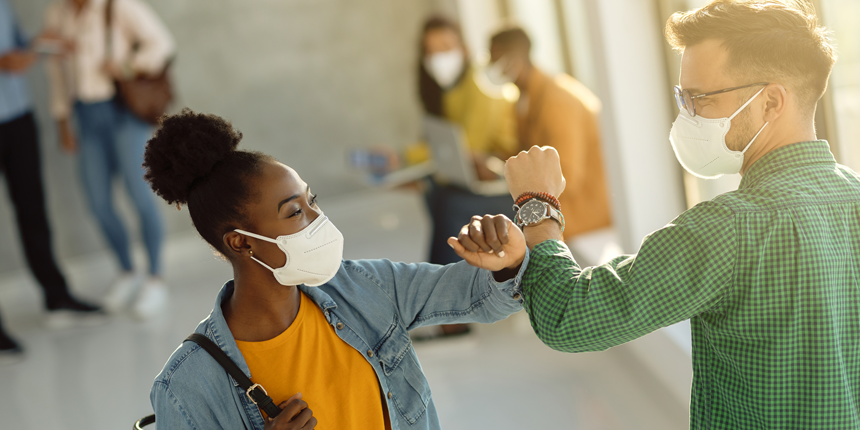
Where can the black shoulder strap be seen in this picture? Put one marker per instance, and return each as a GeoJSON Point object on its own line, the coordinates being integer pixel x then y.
{"type": "Point", "coordinates": [254, 391]}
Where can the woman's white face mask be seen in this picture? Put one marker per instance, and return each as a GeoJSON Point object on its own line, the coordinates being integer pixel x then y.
{"type": "Point", "coordinates": [445, 67]}
{"type": "Point", "coordinates": [314, 254]}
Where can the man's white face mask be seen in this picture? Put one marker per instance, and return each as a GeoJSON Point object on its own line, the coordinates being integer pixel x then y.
{"type": "Point", "coordinates": [314, 254]}
{"type": "Point", "coordinates": [498, 73]}
{"type": "Point", "coordinates": [445, 67]}
{"type": "Point", "coordinates": [700, 144]}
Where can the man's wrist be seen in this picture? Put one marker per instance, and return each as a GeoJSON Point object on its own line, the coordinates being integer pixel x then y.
{"type": "Point", "coordinates": [539, 233]}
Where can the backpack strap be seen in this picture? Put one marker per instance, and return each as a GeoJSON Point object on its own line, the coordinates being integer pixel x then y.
{"type": "Point", "coordinates": [255, 392]}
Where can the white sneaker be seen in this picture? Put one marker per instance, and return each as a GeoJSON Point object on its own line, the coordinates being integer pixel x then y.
{"type": "Point", "coordinates": [152, 300]}
{"type": "Point", "coordinates": [121, 293]}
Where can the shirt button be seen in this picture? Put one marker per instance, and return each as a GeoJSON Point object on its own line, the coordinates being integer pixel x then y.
{"type": "Point", "coordinates": [389, 394]}
{"type": "Point", "coordinates": [340, 326]}
{"type": "Point", "coordinates": [369, 353]}
{"type": "Point", "coordinates": [517, 296]}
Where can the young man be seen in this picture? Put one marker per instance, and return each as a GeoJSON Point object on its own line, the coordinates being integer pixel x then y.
{"type": "Point", "coordinates": [768, 275]}
{"type": "Point", "coordinates": [560, 112]}
{"type": "Point", "coordinates": [19, 161]}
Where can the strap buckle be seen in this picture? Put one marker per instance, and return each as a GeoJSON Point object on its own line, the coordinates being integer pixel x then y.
{"type": "Point", "coordinates": [248, 392]}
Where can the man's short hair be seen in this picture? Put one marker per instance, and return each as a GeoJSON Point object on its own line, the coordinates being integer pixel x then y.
{"type": "Point", "coordinates": [512, 37]}
{"type": "Point", "coordinates": [778, 41]}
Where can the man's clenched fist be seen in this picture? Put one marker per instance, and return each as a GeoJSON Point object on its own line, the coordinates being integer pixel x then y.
{"type": "Point", "coordinates": [538, 170]}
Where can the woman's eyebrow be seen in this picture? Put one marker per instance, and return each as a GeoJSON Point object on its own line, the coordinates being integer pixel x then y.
{"type": "Point", "coordinates": [291, 198]}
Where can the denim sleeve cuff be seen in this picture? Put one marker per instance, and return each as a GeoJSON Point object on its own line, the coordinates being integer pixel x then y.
{"type": "Point", "coordinates": [514, 284]}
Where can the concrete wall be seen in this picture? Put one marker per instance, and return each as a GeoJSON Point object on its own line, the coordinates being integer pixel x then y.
{"type": "Point", "coordinates": [304, 80]}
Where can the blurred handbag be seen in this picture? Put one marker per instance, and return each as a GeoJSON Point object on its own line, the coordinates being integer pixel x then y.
{"type": "Point", "coordinates": [255, 392]}
{"type": "Point", "coordinates": [147, 97]}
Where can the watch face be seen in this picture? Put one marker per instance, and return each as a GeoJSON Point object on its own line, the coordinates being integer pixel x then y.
{"type": "Point", "coordinates": [532, 212]}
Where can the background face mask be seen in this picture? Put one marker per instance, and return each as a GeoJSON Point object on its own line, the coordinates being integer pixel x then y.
{"type": "Point", "coordinates": [700, 144]}
{"type": "Point", "coordinates": [496, 72]}
{"type": "Point", "coordinates": [314, 254]}
{"type": "Point", "coordinates": [445, 67]}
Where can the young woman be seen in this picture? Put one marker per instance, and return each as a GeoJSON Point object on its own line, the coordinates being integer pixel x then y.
{"type": "Point", "coordinates": [326, 338]}
{"type": "Point", "coordinates": [452, 88]}
{"type": "Point", "coordinates": [110, 139]}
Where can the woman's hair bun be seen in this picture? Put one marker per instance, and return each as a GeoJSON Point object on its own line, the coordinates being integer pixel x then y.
{"type": "Point", "coordinates": [185, 148]}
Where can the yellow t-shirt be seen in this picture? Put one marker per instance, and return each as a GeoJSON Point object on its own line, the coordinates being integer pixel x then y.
{"type": "Point", "coordinates": [338, 383]}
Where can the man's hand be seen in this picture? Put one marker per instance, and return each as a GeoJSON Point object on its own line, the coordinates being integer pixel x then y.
{"type": "Point", "coordinates": [295, 415]}
{"type": "Point", "coordinates": [538, 170]}
{"type": "Point", "coordinates": [68, 141]}
{"type": "Point", "coordinates": [17, 61]}
{"type": "Point", "coordinates": [491, 242]}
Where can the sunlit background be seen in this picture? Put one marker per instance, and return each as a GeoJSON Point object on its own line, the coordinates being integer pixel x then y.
{"type": "Point", "coordinates": [310, 80]}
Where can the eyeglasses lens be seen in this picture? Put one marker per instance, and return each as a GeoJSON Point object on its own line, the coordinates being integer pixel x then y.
{"type": "Point", "coordinates": [688, 103]}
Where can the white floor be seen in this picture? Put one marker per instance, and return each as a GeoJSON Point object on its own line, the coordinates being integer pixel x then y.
{"type": "Point", "coordinates": [499, 377]}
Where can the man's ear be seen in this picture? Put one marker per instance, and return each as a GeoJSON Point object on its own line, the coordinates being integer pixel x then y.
{"type": "Point", "coordinates": [235, 243]}
{"type": "Point", "coordinates": [775, 101]}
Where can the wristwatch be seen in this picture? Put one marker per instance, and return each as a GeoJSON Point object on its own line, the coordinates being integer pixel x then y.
{"type": "Point", "coordinates": [534, 212]}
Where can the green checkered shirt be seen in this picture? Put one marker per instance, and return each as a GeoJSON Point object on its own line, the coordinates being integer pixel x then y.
{"type": "Point", "coordinates": [769, 277]}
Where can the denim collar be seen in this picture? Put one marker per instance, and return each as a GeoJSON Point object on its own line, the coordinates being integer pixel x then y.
{"type": "Point", "coordinates": [220, 333]}
{"type": "Point", "coordinates": [785, 158]}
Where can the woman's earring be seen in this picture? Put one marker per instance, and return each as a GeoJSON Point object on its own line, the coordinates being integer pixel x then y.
{"type": "Point", "coordinates": [251, 253]}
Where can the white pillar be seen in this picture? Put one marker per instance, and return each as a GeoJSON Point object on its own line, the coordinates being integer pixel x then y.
{"type": "Point", "coordinates": [645, 178]}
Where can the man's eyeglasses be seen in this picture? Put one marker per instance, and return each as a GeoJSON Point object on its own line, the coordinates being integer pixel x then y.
{"type": "Point", "coordinates": [685, 100]}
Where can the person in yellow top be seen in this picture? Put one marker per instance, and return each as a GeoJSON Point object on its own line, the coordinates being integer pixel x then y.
{"type": "Point", "coordinates": [452, 88]}
{"type": "Point", "coordinates": [562, 113]}
{"type": "Point", "coordinates": [326, 338]}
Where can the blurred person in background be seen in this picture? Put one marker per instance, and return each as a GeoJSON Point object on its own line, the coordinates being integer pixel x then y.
{"type": "Point", "coordinates": [326, 338]}
{"type": "Point", "coordinates": [560, 112]}
{"type": "Point", "coordinates": [450, 87]}
{"type": "Point", "coordinates": [22, 167]}
{"type": "Point", "coordinates": [768, 274]}
{"type": "Point", "coordinates": [109, 139]}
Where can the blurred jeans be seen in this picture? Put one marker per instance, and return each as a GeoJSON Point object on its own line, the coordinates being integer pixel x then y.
{"type": "Point", "coordinates": [451, 208]}
{"type": "Point", "coordinates": [112, 142]}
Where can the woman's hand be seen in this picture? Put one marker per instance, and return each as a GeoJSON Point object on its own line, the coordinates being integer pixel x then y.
{"type": "Point", "coordinates": [295, 415]}
{"type": "Point", "coordinates": [68, 141]}
{"type": "Point", "coordinates": [491, 242]}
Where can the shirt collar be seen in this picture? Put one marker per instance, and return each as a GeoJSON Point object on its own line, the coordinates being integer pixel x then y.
{"type": "Point", "coordinates": [787, 157]}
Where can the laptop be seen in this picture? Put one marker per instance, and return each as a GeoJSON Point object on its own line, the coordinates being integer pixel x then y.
{"type": "Point", "coordinates": [453, 160]}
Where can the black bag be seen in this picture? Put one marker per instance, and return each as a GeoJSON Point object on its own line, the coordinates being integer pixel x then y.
{"type": "Point", "coordinates": [255, 392]}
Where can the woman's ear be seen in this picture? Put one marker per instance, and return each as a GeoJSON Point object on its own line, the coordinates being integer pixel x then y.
{"type": "Point", "coordinates": [775, 99]}
{"type": "Point", "coordinates": [237, 244]}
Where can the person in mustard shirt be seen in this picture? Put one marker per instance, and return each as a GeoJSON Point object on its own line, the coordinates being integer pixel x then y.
{"type": "Point", "coordinates": [562, 113]}
{"type": "Point", "coordinates": [326, 338]}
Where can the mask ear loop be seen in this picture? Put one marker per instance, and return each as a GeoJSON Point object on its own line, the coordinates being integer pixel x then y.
{"type": "Point", "coordinates": [741, 110]}
{"type": "Point", "coordinates": [746, 104]}
{"type": "Point", "coordinates": [754, 138]}
{"type": "Point", "coordinates": [257, 236]}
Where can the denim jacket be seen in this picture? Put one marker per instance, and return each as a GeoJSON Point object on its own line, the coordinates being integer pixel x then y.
{"type": "Point", "coordinates": [370, 304]}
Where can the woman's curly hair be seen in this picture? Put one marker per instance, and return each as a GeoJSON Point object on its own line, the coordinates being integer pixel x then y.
{"type": "Point", "coordinates": [192, 159]}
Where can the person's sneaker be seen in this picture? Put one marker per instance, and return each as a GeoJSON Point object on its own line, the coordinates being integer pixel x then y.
{"type": "Point", "coordinates": [121, 293]}
{"type": "Point", "coordinates": [10, 351]}
{"type": "Point", "coordinates": [152, 300]}
{"type": "Point", "coordinates": [74, 313]}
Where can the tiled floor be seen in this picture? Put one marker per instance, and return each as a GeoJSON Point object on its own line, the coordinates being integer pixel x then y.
{"type": "Point", "coordinates": [499, 377]}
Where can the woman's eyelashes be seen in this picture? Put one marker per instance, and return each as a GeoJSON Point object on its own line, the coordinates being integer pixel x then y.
{"type": "Point", "coordinates": [312, 202]}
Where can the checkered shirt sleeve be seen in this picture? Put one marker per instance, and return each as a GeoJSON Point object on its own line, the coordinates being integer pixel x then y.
{"type": "Point", "coordinates": [681, 270]}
